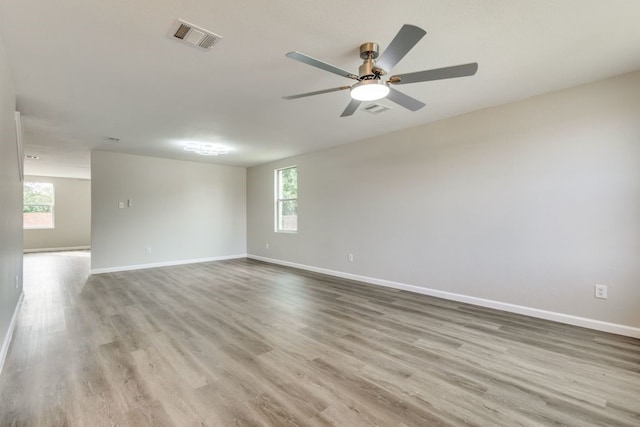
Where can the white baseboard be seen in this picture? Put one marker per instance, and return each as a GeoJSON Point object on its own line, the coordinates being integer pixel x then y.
{"type": "Point", "coordinates": [7, 338]}
{"type": "Point", "coordinates": [70, 248]}
{"type": "Point", "coordinates": [569, 319]}
{"type": "Point", "coordinates": [163, 264]}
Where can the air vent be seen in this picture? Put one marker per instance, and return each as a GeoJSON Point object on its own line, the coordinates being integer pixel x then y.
{"type": "Point", "coordinates": [192, 35]}
{"type": "Point", "coordinates": [376, 108]}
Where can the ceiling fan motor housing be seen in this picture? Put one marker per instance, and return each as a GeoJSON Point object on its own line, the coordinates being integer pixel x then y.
{"type": "Point", "coordinates": [368, 51]}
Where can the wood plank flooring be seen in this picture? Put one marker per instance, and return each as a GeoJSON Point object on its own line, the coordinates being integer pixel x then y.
{"type": "Point", "coordinates": [244, 343]}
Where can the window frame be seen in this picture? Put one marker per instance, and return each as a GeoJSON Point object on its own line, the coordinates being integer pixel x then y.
{"type": "Point", "coordinates": [52, 205]}
{"type": "Point", "coordinates": [278, 200]}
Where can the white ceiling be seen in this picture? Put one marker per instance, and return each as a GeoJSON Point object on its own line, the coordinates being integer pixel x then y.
{"type": "Point", "coordinates": [88, 69]}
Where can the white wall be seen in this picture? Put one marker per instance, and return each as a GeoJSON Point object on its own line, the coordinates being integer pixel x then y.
{"type": "Point", "coordinates": [72, 216]}
{"type": "Point", "coordinates": [530, 203]}
{"type": "Point", "coordinates": [183, 211]}
{"type": "Point", "coordinates": [10, 207]}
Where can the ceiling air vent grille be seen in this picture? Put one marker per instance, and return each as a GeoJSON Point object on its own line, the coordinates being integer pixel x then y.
{"type": "Point", "coordinates": [207, 41]}
{"type": "Point", "coordinates": [376, 108]}
{"type": "Point", "coordinates": [182, 31]}
{"type": "Point", "coordinates": [193, 35]}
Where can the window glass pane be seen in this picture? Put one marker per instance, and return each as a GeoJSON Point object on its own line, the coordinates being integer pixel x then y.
{"type": "Point", "coordinates": [288, 215]}
{"type": "Point", "coordinates": [286, 199]}
{"type": "Point", "coordinates": [36, 216]}
{"type": "Point", "coordinates": [38, 205]}
{"type": "Point", "coordinates": [38, 193]}
{"type": "Point", "coordinates": [288, 183]}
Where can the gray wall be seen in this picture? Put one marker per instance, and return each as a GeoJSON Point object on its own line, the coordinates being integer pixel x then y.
{"type": "Point", "coordinates": [530, 203]}
{"type": "Point", "coordinates": [181, 210]}
{"type": "Point", "coordinates": [72, 216]}
{"type": "Point", "coordinates": [10, 202]}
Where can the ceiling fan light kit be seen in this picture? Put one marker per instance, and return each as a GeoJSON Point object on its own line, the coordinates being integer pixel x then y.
{"type": "Point", "coordinates": [369, 85]}
{"type": "Point", "coordinates": [369, 90]}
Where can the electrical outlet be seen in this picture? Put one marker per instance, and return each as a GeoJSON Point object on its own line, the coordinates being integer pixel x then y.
{"type": "Point", "coordinates": [120, 205]}
{"type": "Point", "coordinates": [148, 251]}
{"type": "Point", "coordinates": [601, 291]}
{"type": "Point", "coordinates": [17, 282]}
{"type": "Point", "coordinates": [266, 245]}
{"type": "Point", "coordinates": [350, 257]}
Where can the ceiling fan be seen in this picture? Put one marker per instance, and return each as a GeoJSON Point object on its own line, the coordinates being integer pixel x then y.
{"type": "Point", "coordinates": [370, 86]}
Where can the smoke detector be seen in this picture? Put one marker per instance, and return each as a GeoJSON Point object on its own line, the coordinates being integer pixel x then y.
{"type": "Point", "coordinates": [193, 35]}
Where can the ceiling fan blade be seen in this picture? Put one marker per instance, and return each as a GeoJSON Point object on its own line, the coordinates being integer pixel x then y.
{"type": "Point", "coordinates": [351, 108]}
{"type": "Point", "coordinates": [317, 92]}
{"type": "Point", "coordinates": [438, 74]}
{"type": "Point", "coordinates": [299, 56]}
{"type": "Point", "coordinates": [404, 100]}
{"type": "Point", "coordinates": [402, 43]}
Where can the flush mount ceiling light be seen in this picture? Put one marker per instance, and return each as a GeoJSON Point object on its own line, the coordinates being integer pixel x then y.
{"type": "Point", "coordinates": [205, 149]}
{"type": "Point", "coordinates": [369, 90]}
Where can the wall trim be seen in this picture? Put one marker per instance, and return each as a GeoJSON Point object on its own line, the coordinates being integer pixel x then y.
{"type": "Point", "coordinates": [69, 248]}
{"type": "Point", "coordinates": [163, 264]}
{"type": "Point", "coordinates": [568, 319]}
{"type": "Point", "coordinates": [4, 351]}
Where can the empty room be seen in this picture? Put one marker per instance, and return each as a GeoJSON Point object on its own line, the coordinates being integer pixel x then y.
{"type": "Point", "coordinates": [223, 213]}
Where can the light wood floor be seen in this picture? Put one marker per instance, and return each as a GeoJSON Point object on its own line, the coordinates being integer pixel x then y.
{"type": "Point", "coordinates": [246, 343]}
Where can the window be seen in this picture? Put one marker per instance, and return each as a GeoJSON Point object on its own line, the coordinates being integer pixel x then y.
{"type": "Point", "coordinates": [287, 199]}
{"type": "Point", "coordinates": [38, 205]}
